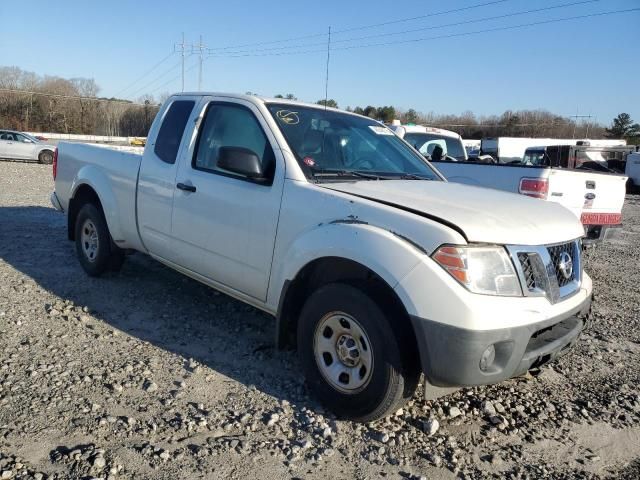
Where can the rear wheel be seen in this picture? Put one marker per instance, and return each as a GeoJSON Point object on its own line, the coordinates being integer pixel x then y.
{"type": "Point", "coordinates": [95, 248]}
{"type": "Point", "coordinates": [46, 157]}
{"type": "Point", "coordinates": [351, 355]}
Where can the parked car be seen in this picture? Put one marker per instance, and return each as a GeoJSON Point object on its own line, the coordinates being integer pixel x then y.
{"type": "Point", "coordinates": [374, 266]}
{"type": "Point", "coordinates": [594, 197]}
{"type": "Point", "coordinates": [22, 146]}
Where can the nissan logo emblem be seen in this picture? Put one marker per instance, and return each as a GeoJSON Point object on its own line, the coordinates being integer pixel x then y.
{"type": "Point", "coordinates": [566, 265]}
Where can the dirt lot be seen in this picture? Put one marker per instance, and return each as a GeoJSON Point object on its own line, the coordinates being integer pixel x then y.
{"type": "Point", "coordinates": [147, 374]}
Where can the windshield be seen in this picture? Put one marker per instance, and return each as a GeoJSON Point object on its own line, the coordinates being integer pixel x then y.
{"type": "Point", "coordinates": [437, 146]}
{"type": "Point", "coordinates": [328, 143]}
{"type": "Point", "coordinates": [33, 139]}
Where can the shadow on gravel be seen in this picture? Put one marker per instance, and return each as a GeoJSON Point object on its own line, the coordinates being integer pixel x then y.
{"type": "Point", "coordinates": [155, 304]}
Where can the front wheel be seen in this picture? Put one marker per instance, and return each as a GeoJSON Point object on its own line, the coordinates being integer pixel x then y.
{"type": "Point", "coordinates": [96, 251]}
{"type": "Point", "coordinates": [45, 157]}
{"type": "Point", "coordinates": [351, 355]}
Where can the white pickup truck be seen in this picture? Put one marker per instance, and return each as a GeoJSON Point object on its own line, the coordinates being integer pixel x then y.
{"type": "Point", "coordinates": [596, 198]}
{"type": "Point", "coordinates": [374, 266]}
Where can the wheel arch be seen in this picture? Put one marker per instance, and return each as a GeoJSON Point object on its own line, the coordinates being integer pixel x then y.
{"type": "Point", "coordinates": [86, 190]}
{"type": "Point", "coordinates": [83, 194]}
{"type": "Point", "coordinates": [326, 270]}
{"type": "Point", "coordinates": [44, 149]}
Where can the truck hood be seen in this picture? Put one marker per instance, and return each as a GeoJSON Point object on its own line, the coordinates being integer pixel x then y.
{"type": "Point", "coordinates": [480, 214]}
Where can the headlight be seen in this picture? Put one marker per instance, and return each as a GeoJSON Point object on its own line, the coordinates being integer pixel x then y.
{"type": "Point", "coordinates": [486, 270]}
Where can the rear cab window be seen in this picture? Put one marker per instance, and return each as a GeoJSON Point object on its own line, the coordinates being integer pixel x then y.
{"type": "Point", "coordinates": [437, 146]}
{"type": "Point", "coordinates": [172, 130]}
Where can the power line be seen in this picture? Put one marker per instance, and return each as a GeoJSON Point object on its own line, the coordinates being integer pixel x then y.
{"type": "Point", "coordinates": [174, 78]}
{"type": "Point", "coordinates": [326, 84]}
{"type": "Point", "coordinates": [144, 74]}
{"type": "Point", "coordinates": [403, 32]}
{"type": "Point", "coordinates": [427, 15]}
{"type": "Point", "coordinates": [74, 97]}
{"type": "Point", "coordinates": [183, 54]}
{"type": "Point", "coordinates": [452, 35]}
{"type": "Point", "coordinates": [364, 27]}
{"type": "Point", "coordinates": [144, 87]}
{"type": "Point", "coordinates": [495, 29]}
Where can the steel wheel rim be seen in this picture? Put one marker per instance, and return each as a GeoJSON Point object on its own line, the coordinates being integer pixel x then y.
{"type": "Point", "coordinates": [343, 352]}
{"type": "Point", "coordinates": [89, 240]}
{"type": "Point", "coordinates": [47, 158]}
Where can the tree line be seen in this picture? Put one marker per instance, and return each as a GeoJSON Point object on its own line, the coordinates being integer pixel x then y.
{"type": "Point", "coordinates": [521, 123]}
{"type": "Point", "coordinates": [30, 102]}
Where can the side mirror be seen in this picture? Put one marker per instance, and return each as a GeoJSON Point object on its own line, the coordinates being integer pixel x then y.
{"type": "Point", "coordinates": [241, 161]}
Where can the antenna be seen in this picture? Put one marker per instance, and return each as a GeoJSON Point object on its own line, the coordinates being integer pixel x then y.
{"type": "Point", "coordinates": [326, 82]}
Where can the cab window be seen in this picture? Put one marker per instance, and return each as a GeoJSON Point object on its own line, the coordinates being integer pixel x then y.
{"type": "Point", "coordinates": [172, 130]}
{"type": "Point", "coordinates": [231, 125]}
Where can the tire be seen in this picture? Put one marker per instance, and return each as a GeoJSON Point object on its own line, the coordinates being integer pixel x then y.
{"type": "Point", "coordinates": [95, 248]}
{"type": "Point", "coordinates": [376, 379]}
{"type": "Point", "coordinates": [45, 157]}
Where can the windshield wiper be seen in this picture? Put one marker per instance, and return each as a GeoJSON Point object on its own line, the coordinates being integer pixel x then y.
{"type": "Point", "coordinates": [412, 176]}
{"type": "Point", "coordinates": [347, 173]}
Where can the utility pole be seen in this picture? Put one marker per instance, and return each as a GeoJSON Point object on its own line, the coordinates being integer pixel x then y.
{"type": "Point", "coordinates": [193, 48]}
{"type": "Point", "coordinates": [182, 46]}
{"type": "Point", "coordinates": [201, 48]}
{"type": "Point", "coordinates": [575, 122]}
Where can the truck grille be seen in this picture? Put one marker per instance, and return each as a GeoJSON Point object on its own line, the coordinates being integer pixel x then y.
{"type": "Point", "coordinates": [553, 271]}
{"type": "Point", "coordinates": [559, 254]}
{"type": "Point", "coordinates": [527, 270]}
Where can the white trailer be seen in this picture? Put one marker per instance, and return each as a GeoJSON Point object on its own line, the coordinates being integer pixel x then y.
{"type": "Point", "coordinates": [511, 149]}
{"type": "Point", "coordinates": [632, 170]}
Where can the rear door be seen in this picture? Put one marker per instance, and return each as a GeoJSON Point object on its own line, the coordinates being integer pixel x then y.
{"type": "Point", "coordinates": [224, 225]}
{"type": "Point", "coordinates": [156, 181]}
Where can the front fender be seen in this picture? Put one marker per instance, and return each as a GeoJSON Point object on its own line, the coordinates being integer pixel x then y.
{"type": "Point", "coordinates": [98, 181]}
{"type": "Point", "coordinates": [388, 255]}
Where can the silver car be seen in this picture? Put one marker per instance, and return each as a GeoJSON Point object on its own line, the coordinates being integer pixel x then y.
{"type": "Point", "coordinates": [22, 146]}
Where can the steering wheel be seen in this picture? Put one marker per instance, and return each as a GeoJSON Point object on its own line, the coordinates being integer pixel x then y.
{"type": "Point", "coordinates": [363, 163]}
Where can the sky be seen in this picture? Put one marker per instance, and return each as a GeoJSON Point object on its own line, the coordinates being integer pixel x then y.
{"type": "Point", "coordinates": [586, 66]}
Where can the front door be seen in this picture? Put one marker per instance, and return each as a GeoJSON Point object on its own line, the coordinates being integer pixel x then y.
{"type": "Point", "coordinates": [224, 224]}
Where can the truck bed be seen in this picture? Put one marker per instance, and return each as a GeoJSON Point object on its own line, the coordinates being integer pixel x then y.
{"type": "Point", "coordinates": [571, 188]}
{"type": "Point", "coordinates": [115, 170]}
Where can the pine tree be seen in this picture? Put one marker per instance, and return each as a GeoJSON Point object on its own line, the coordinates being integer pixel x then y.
{"type": "Point", "coordinates": [623, 127]}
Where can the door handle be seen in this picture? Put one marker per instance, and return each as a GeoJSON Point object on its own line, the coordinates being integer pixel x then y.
{"type": "Point", "coordinates": [186, 188]}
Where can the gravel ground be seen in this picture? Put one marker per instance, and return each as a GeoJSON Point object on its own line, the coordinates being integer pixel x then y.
{"type": "Point", "coordinates": [148, 374]}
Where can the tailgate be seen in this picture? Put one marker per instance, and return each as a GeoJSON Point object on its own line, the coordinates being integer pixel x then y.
{"type": "Point", "coordinates": [596, 198]}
